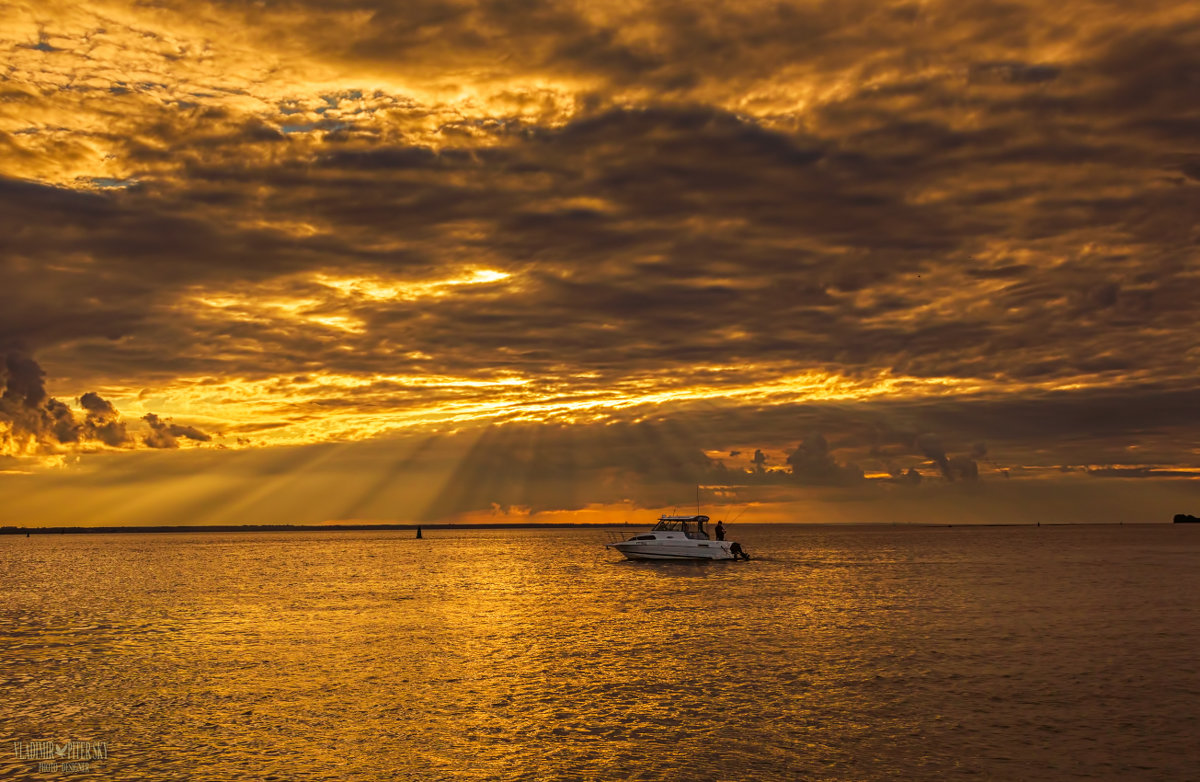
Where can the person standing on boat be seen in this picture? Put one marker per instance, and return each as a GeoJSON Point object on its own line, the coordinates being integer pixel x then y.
{"type": "Point", "coordinates": [720, 530]}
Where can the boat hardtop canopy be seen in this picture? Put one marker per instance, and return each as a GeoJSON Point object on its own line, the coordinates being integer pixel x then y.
{"type": "Point", "coordinates": [679, 522]}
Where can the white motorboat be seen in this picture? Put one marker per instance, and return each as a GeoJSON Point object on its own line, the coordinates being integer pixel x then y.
{"type": "Point", "coordinates": [678, 537]}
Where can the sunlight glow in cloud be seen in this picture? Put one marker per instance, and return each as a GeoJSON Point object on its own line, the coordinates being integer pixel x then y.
{"type": "Point", "coordinates": [320, 407]}
{"type": "Point", "coordinates": [377, 289]}
{"type": "Point", "coordinates": [251, 309]}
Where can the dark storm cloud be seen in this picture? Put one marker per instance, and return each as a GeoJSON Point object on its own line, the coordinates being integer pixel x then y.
{"type": "Point", "coordinates": [24, 381]}
{"type": "Point", "coordinates": [932, 448]}
{"type": "Point", "coordinates": [96, 405]}
{"type": "Point", "coordinates": [102, 422]}
{"type": "Point", "coordinates": [813, 463]}
{"type": "Point", "coordinates": [165, 434]}
{"type": "Point", "coordinates": [29, 419]}
{"type": "Point", "coordinates": [32, 422]}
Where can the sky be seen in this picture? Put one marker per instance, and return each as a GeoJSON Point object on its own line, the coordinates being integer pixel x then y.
{"type": "Point", "coordinates": [302, 261]}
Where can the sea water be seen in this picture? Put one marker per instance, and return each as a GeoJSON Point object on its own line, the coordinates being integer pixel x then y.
{"type": "Point", "coordinates": [837, 653]}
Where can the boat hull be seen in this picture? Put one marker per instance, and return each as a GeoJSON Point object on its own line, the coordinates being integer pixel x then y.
{"type": "Point", "coordinates": [637, 549]}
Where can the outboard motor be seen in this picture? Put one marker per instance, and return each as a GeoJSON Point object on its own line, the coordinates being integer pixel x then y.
{"type": "Point", "coordinates": [736, 550]}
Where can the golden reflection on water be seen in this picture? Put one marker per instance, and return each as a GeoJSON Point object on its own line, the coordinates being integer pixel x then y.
{"type": "Point", "coordinates": [854, 653]}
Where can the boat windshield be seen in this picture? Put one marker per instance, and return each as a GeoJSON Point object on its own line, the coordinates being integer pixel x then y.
{"type": "Point", "coordinates": [692, 526]}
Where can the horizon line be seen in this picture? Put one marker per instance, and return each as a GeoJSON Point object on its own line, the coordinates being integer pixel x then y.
{"type": "Point", "coordinates": [210, 528]}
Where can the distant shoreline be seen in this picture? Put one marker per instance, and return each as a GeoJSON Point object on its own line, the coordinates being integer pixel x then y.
{"type": "Point", "coordinates": [295, 528]}
{"type": "Point", "coordinates": [208, 528]}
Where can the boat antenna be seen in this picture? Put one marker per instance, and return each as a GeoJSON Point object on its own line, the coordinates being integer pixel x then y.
{"type": "Point", "coordinates": [697, 499]}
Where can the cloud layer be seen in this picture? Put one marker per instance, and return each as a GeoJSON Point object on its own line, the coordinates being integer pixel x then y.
{"type": "Point", "coordinates": [903, 230]}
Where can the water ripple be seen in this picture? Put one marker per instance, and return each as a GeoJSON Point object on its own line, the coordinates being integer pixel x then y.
{"type": "Point", "coordinates": [842, 654]}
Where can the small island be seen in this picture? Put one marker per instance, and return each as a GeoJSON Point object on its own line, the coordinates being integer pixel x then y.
{"type": "Point", "coordinates": [1183, 518]}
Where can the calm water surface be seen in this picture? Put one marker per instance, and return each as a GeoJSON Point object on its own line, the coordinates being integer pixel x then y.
{"type": "Point", "coordinates": [850, 653]}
